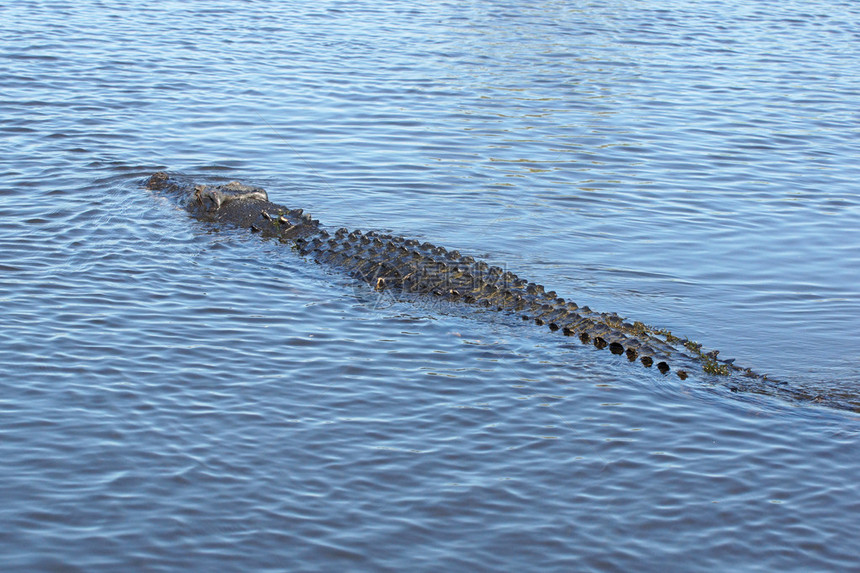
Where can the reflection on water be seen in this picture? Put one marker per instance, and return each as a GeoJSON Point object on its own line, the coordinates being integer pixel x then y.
{"type": "Point", "coordinates": [179, 396]}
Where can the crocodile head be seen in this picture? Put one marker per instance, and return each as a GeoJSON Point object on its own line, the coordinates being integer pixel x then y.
{"type": "Point", "coordinates": [207, 198]}
{"type": "Point", "coordinates": [213, 197]}
{"type": "Point", "coordinates": [159, 180]}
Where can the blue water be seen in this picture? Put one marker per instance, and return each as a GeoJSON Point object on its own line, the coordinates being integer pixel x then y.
{"type": "Point", "coordinates": [179, 397]}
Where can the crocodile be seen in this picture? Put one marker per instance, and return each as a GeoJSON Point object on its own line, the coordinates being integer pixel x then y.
{"type": "Point", "coordinates": [410, 267]}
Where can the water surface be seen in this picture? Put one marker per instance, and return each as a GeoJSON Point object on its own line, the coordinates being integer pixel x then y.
{"type": "Point", "coordinates": [180, 397]}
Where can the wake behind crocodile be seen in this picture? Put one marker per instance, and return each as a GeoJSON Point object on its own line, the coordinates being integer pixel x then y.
{"type": "Point", "coordinates": [406, 266]}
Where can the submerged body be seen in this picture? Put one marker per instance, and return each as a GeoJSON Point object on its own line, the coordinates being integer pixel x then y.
{"type": "Point", "coordinates": [388, 262]}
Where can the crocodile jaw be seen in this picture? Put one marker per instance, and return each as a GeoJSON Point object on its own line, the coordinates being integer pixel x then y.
{"type": "Point", "coordinates": [209, 198]}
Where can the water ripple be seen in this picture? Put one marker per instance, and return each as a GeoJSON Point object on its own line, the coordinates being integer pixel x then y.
{"type": "Point", "coordinates": [178, 396]}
